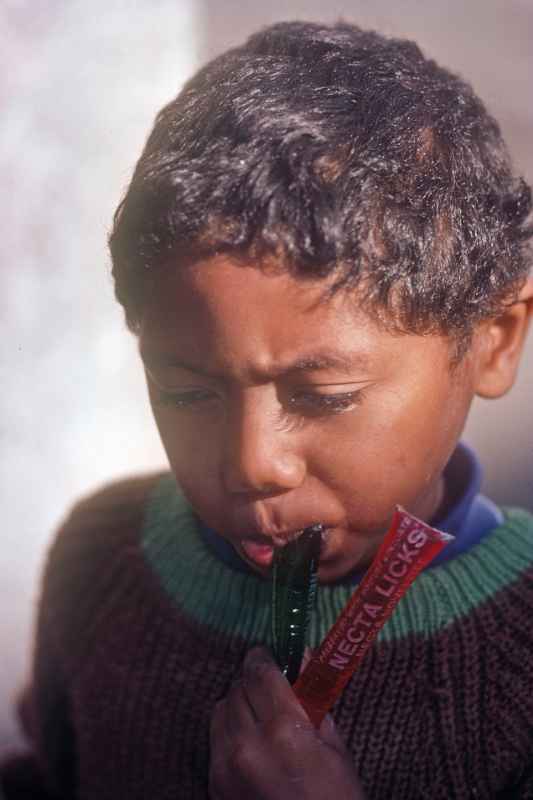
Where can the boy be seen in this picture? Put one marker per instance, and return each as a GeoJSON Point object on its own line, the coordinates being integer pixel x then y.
{"type": "Point", "coordinates": [323, 254]}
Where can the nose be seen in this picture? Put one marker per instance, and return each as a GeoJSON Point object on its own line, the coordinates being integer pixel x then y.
{"type": "Point", "coordinates": [261, 453]}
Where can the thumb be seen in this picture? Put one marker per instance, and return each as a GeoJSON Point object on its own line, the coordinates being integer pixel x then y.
{"type": "Point", "coordinates": [329, 734]}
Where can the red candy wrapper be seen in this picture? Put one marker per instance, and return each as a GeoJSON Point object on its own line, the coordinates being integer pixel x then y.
{"type": "Point", "coordinates": [407, 548]}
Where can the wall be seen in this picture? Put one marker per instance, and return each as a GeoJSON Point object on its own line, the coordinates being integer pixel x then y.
{"type": "Point", "coordinates": [81, 83]}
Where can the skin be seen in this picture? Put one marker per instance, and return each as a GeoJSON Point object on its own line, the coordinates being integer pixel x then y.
{"type": "Point", "coordinates": [253, 440]}
{"type": "Point", "coordinates": [265, 748]}
{"type": "Point", "coordinates": [240, 363]}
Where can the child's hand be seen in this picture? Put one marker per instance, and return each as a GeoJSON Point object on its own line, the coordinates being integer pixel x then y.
{"type": "Point", "coordinates": [263, 745]}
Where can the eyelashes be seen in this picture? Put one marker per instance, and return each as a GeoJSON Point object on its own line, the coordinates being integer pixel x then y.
{"type": "Point", "coordinates": [318, 403]}
{"type": "Point", "coordinates": [304, 403]}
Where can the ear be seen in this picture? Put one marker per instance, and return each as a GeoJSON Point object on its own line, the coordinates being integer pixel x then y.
{"type": "Point", "coordinates": [500, 341]}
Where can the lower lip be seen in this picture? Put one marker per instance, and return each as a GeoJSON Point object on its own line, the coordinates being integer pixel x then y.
{"type": "Point", "coordinates": [260, 554]}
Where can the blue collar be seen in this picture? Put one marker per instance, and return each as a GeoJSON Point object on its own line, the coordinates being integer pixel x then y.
{"type": "Point", "coordinates": [467, 515]}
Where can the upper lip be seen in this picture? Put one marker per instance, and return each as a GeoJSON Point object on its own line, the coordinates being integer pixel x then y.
{"type": "Point", "coordinates": [276, 523]}
{"type": "Point", "coordinates": [278, 539]}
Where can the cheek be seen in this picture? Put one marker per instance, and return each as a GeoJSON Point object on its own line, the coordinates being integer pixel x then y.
{"type": "Point", "coordinates": [192, 449]}
{"type": "Point", "coordinates": [194, 467]}
{"type": "Point", "coordinates": [389, 451]}
{"type": "Point", "coordinates": [361, 459]}
{"type": "Point", "coordinates": [362, 442]}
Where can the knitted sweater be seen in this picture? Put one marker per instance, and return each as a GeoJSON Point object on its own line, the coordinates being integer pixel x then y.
{"type": "Point", "coordinates": [142, 628]}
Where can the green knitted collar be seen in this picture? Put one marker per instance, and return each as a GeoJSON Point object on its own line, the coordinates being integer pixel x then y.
{"type": "Point", "coordinates": [237, 604]}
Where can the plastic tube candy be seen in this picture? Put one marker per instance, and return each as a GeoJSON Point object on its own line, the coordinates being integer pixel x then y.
{"type": "Point", "coordinates": [407, 548]}
{"type": "Point", "coordinates": [293, 592]}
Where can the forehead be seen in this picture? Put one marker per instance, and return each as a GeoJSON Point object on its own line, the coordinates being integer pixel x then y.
{"type": "Point", "coordinates": [235, 318]}
{"type": "Point", "coordinates": [233, 308]}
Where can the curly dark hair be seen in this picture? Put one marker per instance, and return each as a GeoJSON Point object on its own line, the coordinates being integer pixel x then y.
{"type": "Point", "coordinates": [334, 152]}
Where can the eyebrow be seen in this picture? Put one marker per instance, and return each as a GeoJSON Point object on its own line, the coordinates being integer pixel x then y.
{"type": "Point", "coordinates": [308, 363]}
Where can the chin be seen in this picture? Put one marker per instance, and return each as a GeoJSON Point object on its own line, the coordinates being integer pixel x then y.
{"type": "Point", "coordinates": [331, 573]}
{"type": "Point", "coordinates": [332, 570]}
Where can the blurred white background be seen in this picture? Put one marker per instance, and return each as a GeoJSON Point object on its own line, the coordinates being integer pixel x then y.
{"type": "Point", "coordinates": [80, 84]}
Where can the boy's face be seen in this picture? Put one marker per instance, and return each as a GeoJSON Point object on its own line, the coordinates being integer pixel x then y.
{"type": "Point", "coordinates": [278, 410]}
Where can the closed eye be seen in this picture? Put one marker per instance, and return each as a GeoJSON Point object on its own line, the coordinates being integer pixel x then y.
{"type": "Point", "coordinates": [307, 402]}
{"type": "Point", "coordinates": [303, 401]}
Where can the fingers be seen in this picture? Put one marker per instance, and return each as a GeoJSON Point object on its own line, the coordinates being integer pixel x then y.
{"type": "Point", "coordinates": [238, 714]}
{"type": "Point", "coordinates": [267, 689]}
{"type": "Point", "coordinates": [329, 734]}
{"type": "Point", "coordinates": [262, 695]}
{"type": "Point", "coordinates": [217, 730]}
{"type": "Point", "coordinates": [232, 724]}
{"type": "Point", "coordinates": [263, 744]}
{"type": "Point", "coordinates": [232, 715]}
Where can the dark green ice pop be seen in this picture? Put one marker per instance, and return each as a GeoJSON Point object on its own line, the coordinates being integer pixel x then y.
{"type": "Point", "coordinates": [293, 593]}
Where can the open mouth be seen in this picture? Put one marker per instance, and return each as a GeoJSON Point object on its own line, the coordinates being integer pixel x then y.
{"type": "Point", "coordinates": [261, 552]}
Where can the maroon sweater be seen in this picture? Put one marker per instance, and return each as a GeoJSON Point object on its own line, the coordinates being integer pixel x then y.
{"type": "Point", "coordinates": [141, 629]}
